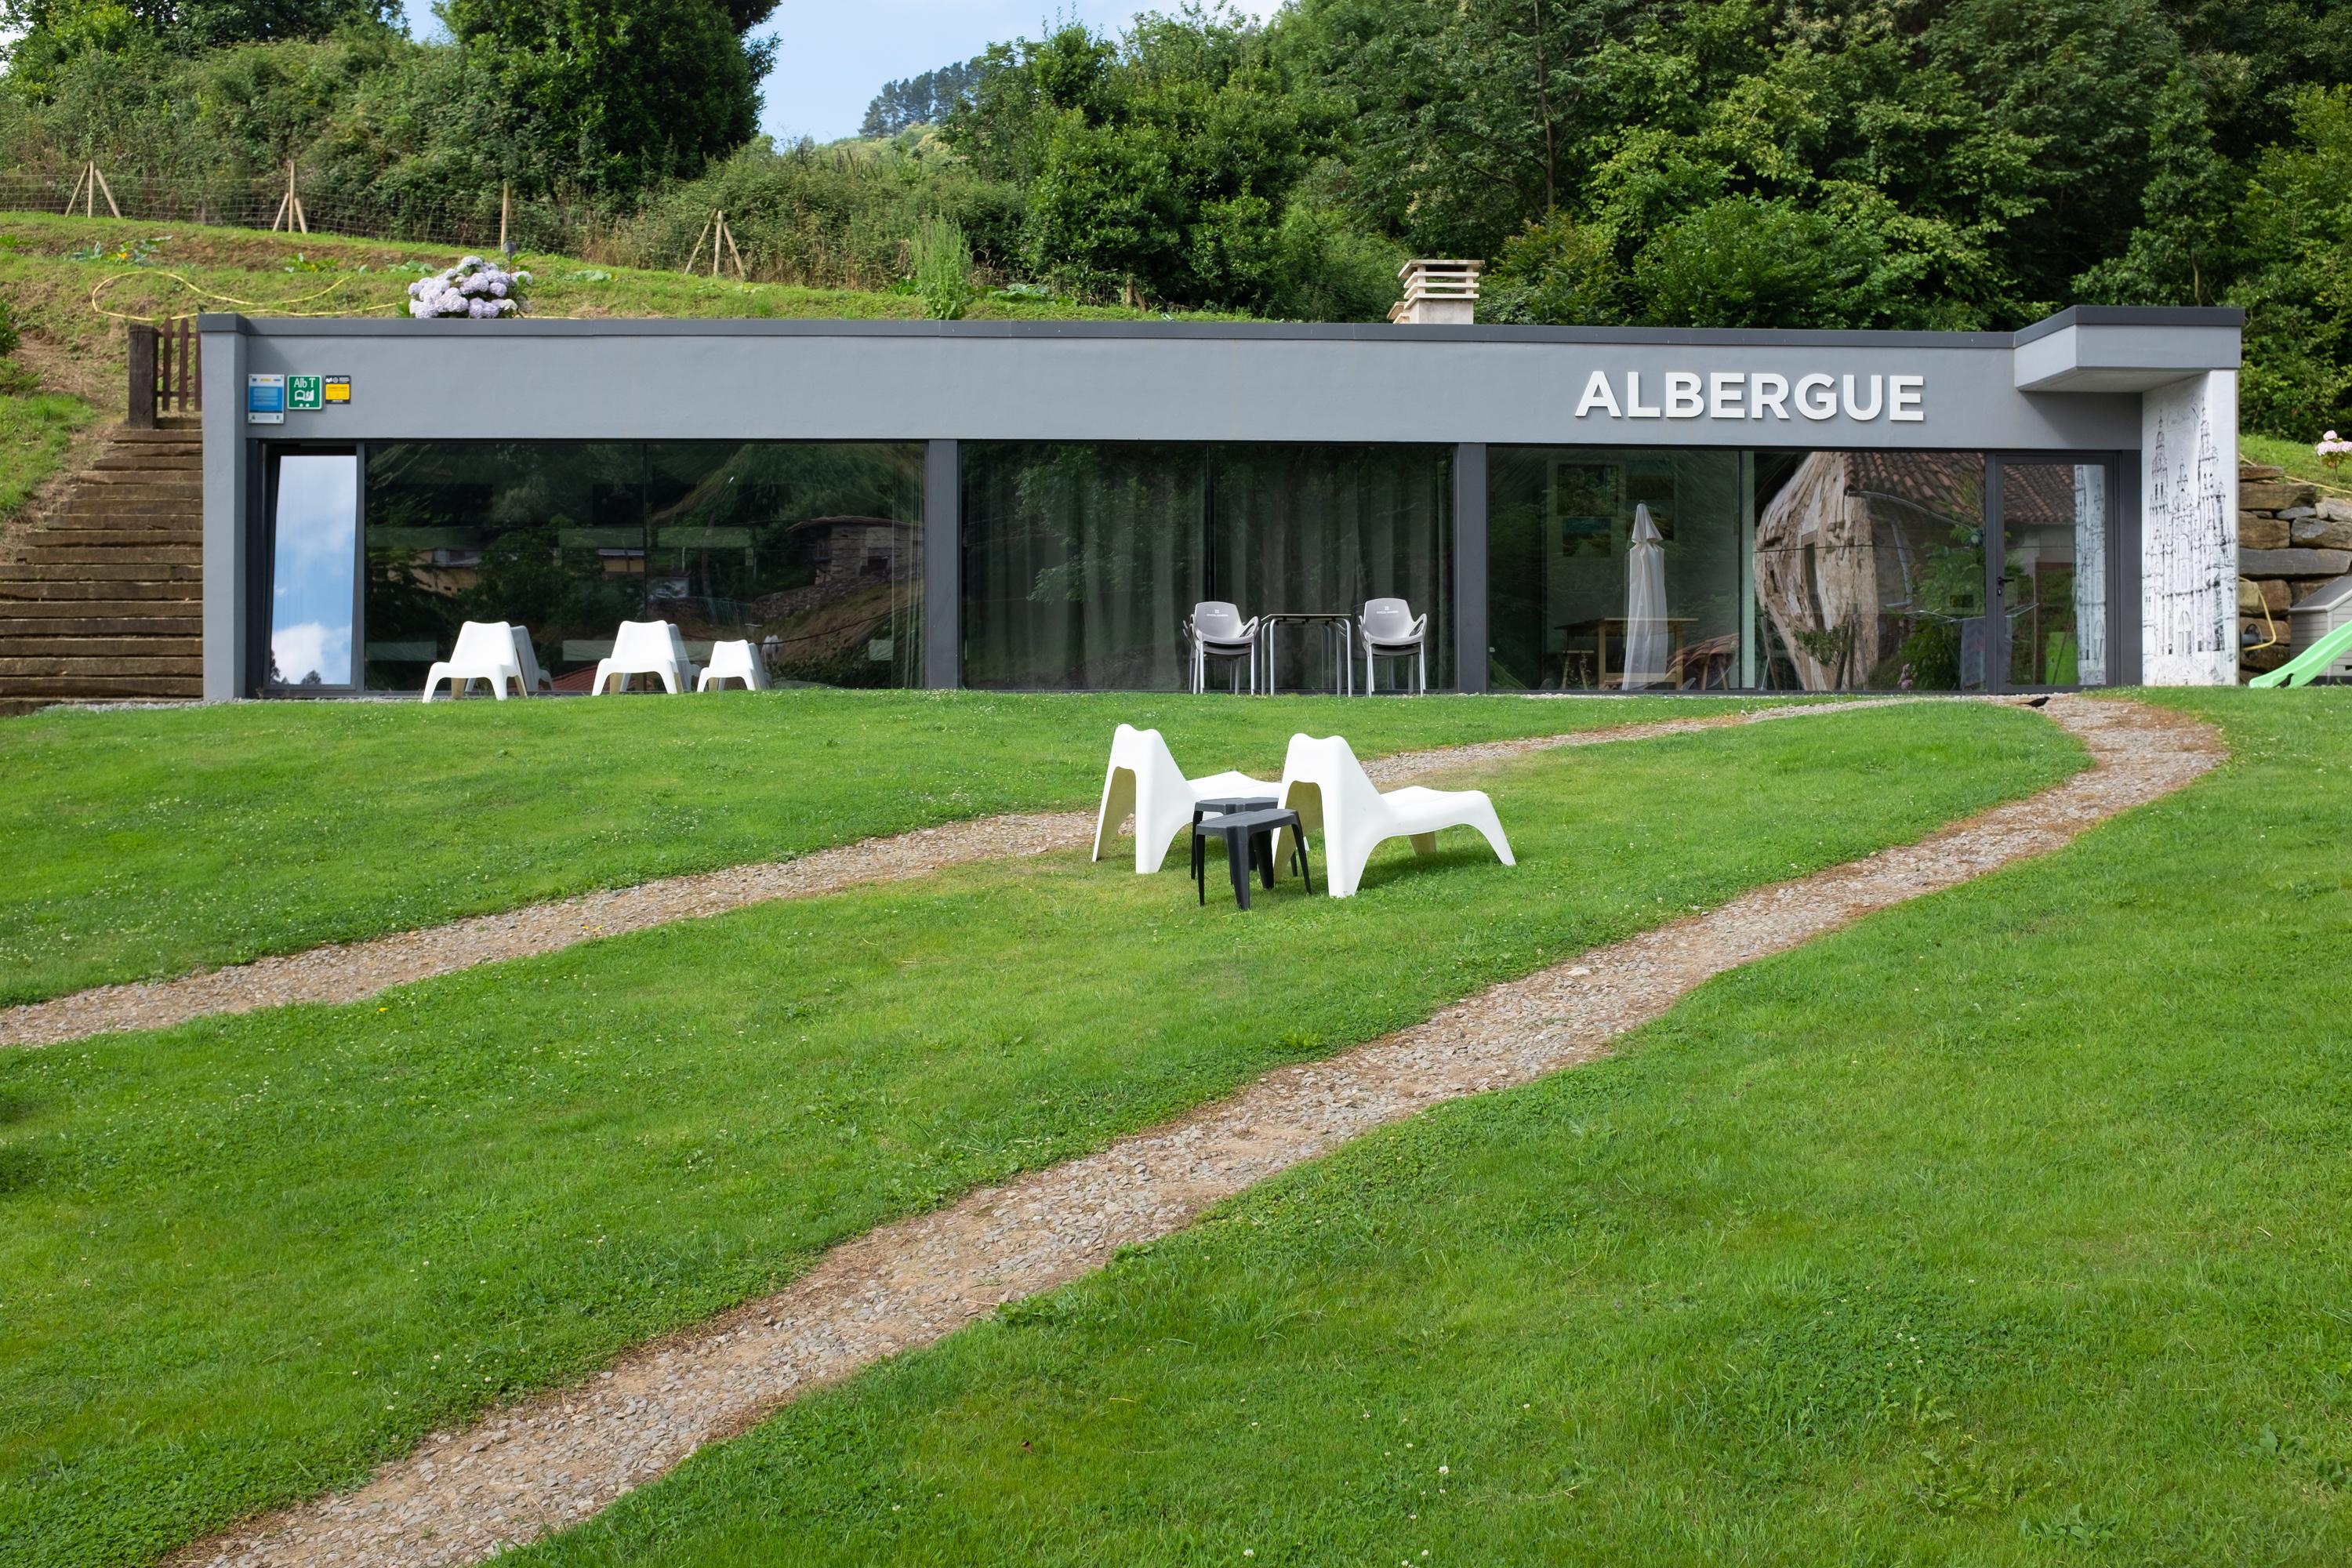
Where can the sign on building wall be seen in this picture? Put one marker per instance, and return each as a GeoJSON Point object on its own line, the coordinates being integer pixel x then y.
{"type": "Point", "coordinates": [1753, 396]}
{"type": "Point", "coordinates": [2188, 532]}
{"type": "Point", "coordinates": [265, 400]}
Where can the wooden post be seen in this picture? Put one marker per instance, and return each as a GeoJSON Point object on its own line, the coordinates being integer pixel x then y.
{"type": "Point", "coordinates": [141, 415]}
{"type": "Point", "coordinates": [289, 210]}
{"type": "Point", "coordinates": [741, 276]}
{"type": "Point", "coordinates": [97, 178]}
{"type": "Point", "coordinates": [717, 233]}
{"type": "Point", "coordinates": [695, 255]}
{"type": "Point", "coordinates": [506, 210]}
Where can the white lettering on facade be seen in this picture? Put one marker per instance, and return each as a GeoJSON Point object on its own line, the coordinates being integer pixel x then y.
{"type": "Point", "coordinates": [1854, 410]}
{"type": "Point", "coordinates": [1758, 394]}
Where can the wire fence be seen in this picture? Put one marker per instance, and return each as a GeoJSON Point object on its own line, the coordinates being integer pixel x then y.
{"type": "Point", "coordinates": [531, 224]}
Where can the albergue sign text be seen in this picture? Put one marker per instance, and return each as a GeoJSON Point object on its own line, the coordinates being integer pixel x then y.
{"type": "Point", "coordinates": [1756, 394]}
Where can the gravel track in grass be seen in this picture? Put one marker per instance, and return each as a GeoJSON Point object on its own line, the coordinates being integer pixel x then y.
{"type": "Point", "coordinates": [472, 1492]}
{"type": "Point", "coordinates": [2002, 1229]}
{"type": "Point", "coordinates": [354, 972]}
{"type": "Point", "coordinates": [248, 1259]}
{"type": "Point", "coordinates": [150, 844]}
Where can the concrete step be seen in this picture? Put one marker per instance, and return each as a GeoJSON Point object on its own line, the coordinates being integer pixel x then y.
{"type": "Point", "coordinates": [99, 622]}
{"type": "Point", "coordinates": [166, 484]}
{"type": "Point", "coordinates": [36, 646]}
{"type": "Point", "coordinates": [15, 670]}
{"type": "Point", "coordinates": [147, 584]}
{"type": "Point", "coordinates": [80, 688]}
{"type": "Point", "coordinates": [150, 460]}
{"type": "Point", "coordinates": [81, 512]}
{"type": "Point", "coordinates": [120, 568]}
{"type": "Point", "coordinates": [38, 601]}
{"type": "Point", "coordinates": [107, 544]}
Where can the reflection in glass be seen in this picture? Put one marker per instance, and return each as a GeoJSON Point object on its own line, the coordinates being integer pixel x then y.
{"type": "Point", "coordinates": [313, 559]}
{"type": "Point", "coordinates": [812, 551]}
{"type": "Point", "coordinates": [2053, 572]}
{"type": "Point", "coordinates": [1080, 561]}
{"type": "Point", "coordinates": [1870, 571]}
{"type": "Point", "coordinates": [1562, 603]}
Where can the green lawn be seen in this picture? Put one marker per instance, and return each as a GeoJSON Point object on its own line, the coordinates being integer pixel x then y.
{"type": "Point", "coordinates": [2007, 1227]}
{"type": "Point", "coordinates": [35, 429]}
{"type": "Point", "coordinates": [2296, 457]}
{"type": "Point", "coordinates": [243, 1259]}
{"type": "Point", "coordinates": [152, 843]}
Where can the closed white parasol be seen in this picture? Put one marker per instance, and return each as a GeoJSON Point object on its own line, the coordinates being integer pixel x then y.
{"type": "Point", "coordinates": [1645, 605]}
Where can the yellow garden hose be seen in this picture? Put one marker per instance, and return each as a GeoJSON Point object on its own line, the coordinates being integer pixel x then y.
{"type": "Point", "coordinates": [111, 280]}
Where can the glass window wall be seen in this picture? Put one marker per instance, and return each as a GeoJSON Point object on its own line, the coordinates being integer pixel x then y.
{"type": "Point", "coordinates": [1613, 569]}
{"type": "Point", "coordinates": [314, 556]}
{"type": "Point", "coordinates": [812, 551]}
{"type": "Point", "coordinates": [1082, 560]}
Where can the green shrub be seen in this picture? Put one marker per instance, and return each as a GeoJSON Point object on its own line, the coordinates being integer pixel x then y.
{"type": "Point", "coordinates": [941, 269]}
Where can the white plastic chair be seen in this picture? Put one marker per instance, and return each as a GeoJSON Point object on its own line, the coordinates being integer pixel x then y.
{"type": "Point", "coordinates": [734, 661]}
{"type": "Point", "coordinates": [1143, 778]}
{"type": "Point", "coordinates": [1323, 784]}
{"type": "Point", "coordinates": [1215, 630]}
{"type": "Point", "coordinates": [646, 648]}
{"type": "Point", "coordinates": [534, 680]}
{"type": "Point", "coordinates": [1388, 629]}
{"type": "Point", "coordinates": [486, 650]}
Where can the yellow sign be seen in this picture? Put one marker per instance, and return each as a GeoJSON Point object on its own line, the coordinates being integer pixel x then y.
{"type": "Point", "coordinates": [339, 389]}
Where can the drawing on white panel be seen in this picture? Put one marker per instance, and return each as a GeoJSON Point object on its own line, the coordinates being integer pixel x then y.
{"type": "Point", "coordinates": [2188, 558]}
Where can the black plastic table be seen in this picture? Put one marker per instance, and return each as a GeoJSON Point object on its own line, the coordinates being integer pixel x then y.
{"type": "Point", "coordinates": [1249, 845]}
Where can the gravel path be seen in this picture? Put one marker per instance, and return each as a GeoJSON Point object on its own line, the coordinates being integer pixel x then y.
{"type": "Point", "coordinates": [353, 971]}
{"type": "Point", "coordinates": [554, 1461]}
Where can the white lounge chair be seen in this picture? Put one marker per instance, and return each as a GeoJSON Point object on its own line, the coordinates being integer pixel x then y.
{"type": "Point", "coordinates": [646, 648]}
{"type": "Point", "coordinates": [1388, 629]}
{"type": "Point", "coordinates": [486, 650]}
{"type": "Point", "coordinates": [1215, 630]}
{"type": "Point", "coordinates": [1143, 778]}
{"type": "Point", "coordinates": [1323, 784]}
{"type": "Point", "coordinates": [734, 661]}
{"type": "Point", "coordinates": [534, 680]}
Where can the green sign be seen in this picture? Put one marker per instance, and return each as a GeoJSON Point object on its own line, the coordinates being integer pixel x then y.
{"type": "Point", "coordinates": [306, 392]}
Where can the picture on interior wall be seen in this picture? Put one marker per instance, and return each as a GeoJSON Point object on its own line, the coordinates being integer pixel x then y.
{"type": "Point", "coordinates": [1585, 500]}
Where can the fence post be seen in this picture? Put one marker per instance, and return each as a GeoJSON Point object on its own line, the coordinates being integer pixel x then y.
{"type": "Point", "coordinates": [141, 415]}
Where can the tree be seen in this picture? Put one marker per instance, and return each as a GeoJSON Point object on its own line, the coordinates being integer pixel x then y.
{"type": "Point", "coordinates": [925, 100]}
{"type": "Point", "coordinates": [618, 94]}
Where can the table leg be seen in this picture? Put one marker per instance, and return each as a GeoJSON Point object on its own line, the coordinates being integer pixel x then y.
{"type": "Point", "coordinates": [1237, 862]}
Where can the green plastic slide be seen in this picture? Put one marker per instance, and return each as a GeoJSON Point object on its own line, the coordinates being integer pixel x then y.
{"type": "Point", "coordinates": [2311, 661]}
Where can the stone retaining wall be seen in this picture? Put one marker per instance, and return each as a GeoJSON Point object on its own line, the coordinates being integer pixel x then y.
{"type": "Point", "coordinates": [2291, 540]}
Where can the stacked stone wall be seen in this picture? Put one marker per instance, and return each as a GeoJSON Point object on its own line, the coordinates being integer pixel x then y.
{"type": "Point", "coordinates": [2292, 540]}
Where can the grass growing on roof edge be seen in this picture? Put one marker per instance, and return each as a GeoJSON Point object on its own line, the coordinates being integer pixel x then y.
{"type": "Point", "coordinates": [2004, 1227]}
{"type": "Point", "coordinates": [230, 1254]}
{"type": "Point", "coordinates": [148, 844]}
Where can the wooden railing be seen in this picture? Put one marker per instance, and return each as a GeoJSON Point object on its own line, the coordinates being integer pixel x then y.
{"type": "Point", "coordinates": [165, 371]}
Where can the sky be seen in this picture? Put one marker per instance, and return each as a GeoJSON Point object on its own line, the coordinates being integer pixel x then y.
{"type": "Point", "coordinates": [833, 57]}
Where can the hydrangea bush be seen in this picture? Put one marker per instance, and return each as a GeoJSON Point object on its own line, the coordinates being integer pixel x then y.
{"type": "Point", "coordinates": [474, 287]}
{"type": "Point", "coordinates": [2333, 450]}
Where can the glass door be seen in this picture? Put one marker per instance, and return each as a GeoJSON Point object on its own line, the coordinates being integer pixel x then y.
{"type": "Point", "coordinates": [2051, 517]}
{"type": "Point", "coordinates": [314, 581]}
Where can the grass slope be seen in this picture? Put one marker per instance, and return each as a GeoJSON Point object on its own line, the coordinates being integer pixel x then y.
{"type": "Point", "coordinates": [245, 1258]}
{"type": "Point", "coordinates": [152, 843]}
{"type": "Point", "coordinates": [2296, 457]}
{"type": "Point", "coordinates": [2006, 1228]}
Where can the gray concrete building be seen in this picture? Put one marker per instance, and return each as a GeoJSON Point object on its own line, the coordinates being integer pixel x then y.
{"type": "Point", "coordinates": [1039, 505]}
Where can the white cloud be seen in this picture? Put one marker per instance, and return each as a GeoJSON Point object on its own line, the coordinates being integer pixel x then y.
{"type": "Point", "coordinates": [313, 646]}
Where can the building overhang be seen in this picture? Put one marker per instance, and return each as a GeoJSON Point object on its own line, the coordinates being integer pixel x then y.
{"type": "Point", "coordinates": [2125, 348]}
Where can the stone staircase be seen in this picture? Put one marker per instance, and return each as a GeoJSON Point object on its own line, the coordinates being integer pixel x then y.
{"type": "Point", "coordinates": [103, 601]}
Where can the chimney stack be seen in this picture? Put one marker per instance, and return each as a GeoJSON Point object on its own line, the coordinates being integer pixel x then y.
{"type": "Point", "coordinates": [1437, 293]}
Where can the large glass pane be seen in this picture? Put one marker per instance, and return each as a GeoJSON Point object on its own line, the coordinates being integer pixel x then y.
{"type": "Point", "coordinates": [1580, 597]}
{"type": "Point", "coordinates": [813, 551]}
{"type": "Point", "coordinates": [2053, 572]}
{"type": "Point", "coordinates": [550, 535]}
{"type": "Point", "coordinates": [314, 557]}
{"type": "Point", "coordinates": [1319, 531]}
{"type": "Point", "coordinates": [1080, 562]}
{"type": "Point", "coordinates": [1870, 571]}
